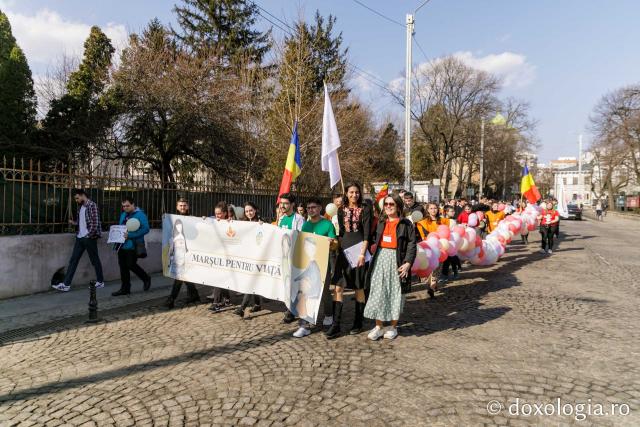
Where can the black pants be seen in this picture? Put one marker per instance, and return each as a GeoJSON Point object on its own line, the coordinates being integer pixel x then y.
{"type": "Point", "coordinates": [91, 246]}
{"type": "Point", "coordinates": [453, 262]}
{"type": "Point", "coordinates": [250, 300]}
{"type": "Point", "coordinates": [547, 236]}
{"type": "Point", "coordinates": [220, 295]}
{"type": "Point", "coordinates": [191, 289]}
{"type": "Point", "coordinates": [128, 261]}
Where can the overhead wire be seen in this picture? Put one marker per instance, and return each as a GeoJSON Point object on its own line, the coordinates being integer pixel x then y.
{"type": "Point", "coordinates": [382, 15]}
{"type": "Point", "coordinates": [376, 81]}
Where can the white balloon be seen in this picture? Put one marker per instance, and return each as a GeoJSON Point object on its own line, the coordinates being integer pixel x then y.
{"type": "Point", "coordinates": [416, 216]}
{"type": "Point", "coordinates": [331, 209]}
{"type": "Point", "coordinates": [133, 224]}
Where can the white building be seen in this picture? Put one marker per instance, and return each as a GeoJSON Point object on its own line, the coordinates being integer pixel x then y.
{"type": "Point", "coordinates": [577, 184]}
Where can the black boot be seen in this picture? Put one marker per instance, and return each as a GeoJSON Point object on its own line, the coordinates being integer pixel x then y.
{"type": "Point", "coordinates": [334, 330]}
{"type": "Point", "coordinates": [170, 303]}
{"type": "Point", "coordinates": [357, 321]}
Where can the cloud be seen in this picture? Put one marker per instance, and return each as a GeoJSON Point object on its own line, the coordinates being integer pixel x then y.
{"type": "Point", "coordinates": [45, 35]}
{"type": "Point", "coordinates": [512, 68]}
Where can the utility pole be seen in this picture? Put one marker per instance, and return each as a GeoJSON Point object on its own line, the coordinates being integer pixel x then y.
{"type": "Point", "coordinates": [407, 106]}
{"type": "Point", "coordinates": [481, 158]}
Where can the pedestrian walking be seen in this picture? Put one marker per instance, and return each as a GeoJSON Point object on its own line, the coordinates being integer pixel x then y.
{"type": "Point", "coordinates": [88, 230]}
{"type": "Point", "coordinates": [599, 211]}
{"type": "Point", "coordinates": [389, 276]}
{"type": "Point", "coordinates": [316, 224]}
{"type": "Point", "coordinates": [182, 208]}
{"type": "Point", "coordinates": [452, 262]}
{"type": "Point", "coordinates": [133, 247]}
{"type": "Point", "coordinates": [548, 221]}
{"type": "Point", "coordinates": [253, 300]}
{"type": "Point", "coordinates": [424, 227]}
{"type": "Point", "coordinates": [354, 222]}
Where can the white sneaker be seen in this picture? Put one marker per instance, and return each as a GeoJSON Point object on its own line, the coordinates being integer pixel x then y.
{"type": "Point", "coordinates": [328, 321]}
{"type": "Point", "coordinates": [376, 333]}
{"type": "Point", "coordinates": [61, 287]}
{"type": "Point", "coordinates": [99, 285]}
{"type": "Point", "coordinates": [542, 251]}
{"type": "Point", "coordinates": [301, 332]}
{"type": "Point", "coordinates": [549, 251]}
{"type": "Point", "coordinates": [391, 333]}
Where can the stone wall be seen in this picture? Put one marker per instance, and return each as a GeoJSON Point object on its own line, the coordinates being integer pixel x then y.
{"type": "Point", "coordinates": [27, 263]}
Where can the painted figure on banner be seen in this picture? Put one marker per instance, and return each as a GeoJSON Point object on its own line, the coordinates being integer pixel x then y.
{"type": "Point", "coordinates": [177, 250]}
{"type": "Point", "coordinates": [307, 286]}
{"type": "Point", "coordinates": [286, 243]}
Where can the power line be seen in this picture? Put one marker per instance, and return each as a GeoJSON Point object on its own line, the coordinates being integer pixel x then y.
{"type": "Point", "coordinates": [364, 74]}
{"type": "Point", "coordinates": [378, 13]}
{"type": "Point", "coordinates": [421, 49]}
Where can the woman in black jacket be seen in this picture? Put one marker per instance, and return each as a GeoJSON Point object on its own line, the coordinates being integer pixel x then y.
{"type": "Point", "coordinates": [390, 272]}
{"type": "Point", "coordinates": [354, 220]}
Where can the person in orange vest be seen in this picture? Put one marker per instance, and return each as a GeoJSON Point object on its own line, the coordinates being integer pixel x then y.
{"type": "Point", "coordinates": [494, 216]}
{"type": "Point", "coordinates": [423, 228]}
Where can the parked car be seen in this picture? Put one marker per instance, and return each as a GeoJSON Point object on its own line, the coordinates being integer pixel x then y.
{"type": "Point", "coordinates": [575, 212]}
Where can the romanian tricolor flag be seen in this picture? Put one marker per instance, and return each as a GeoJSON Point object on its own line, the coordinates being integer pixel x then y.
{"type": "Point", "coordinates": [293, 167]}
{"type": "Point", "coordinates": [528, 187]}
{"type": "Point", "coordinates": [384, 192]}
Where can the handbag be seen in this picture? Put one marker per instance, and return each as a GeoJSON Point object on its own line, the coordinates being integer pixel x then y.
{"type": "Point", "coordinates": [141, 249]}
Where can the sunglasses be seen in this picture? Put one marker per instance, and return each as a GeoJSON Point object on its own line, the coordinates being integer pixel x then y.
{"type": "Point", "coordinates": [389, 204]}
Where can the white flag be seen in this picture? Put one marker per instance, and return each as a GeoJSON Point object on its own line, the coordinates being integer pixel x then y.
{"type": "Point", "coordinates": [562, 202]}
{"type": "Point", "coordinates": [330, 142]}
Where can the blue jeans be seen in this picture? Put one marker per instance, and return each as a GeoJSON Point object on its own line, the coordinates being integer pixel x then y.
{"type": "Point", "coordinates": [91, 246]}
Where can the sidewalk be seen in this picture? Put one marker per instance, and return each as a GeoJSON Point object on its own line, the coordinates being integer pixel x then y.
{"type": "Point", "coordinates": [45, 307]}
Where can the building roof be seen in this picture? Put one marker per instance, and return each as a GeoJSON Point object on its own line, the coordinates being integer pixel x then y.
{"type": "Point", "coordinates": [585, 168]}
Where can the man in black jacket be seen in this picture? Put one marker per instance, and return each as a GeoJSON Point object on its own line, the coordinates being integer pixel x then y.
{"type": "Point", "coordinates": [410, 205]}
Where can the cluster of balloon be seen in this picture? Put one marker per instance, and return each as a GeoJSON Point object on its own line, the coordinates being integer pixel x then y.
{"type": "Point", "coordinates": [467, 244]}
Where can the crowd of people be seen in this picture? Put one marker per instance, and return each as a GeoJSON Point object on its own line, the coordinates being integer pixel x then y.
{"type": "Point", "coordinates": [385, 234]}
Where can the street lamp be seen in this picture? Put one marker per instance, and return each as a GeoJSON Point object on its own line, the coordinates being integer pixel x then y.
{"type": "Point", "coordinates": [407, 98]}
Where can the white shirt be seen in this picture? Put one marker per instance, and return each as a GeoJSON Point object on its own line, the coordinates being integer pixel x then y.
{"type": "Point", "coordinates": [82, 223]}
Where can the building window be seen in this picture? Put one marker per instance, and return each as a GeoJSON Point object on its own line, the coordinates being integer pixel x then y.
{"type": "Point", "coordinates": [564, 181]}
{"type": "Point", "coordinates": [575, 180]}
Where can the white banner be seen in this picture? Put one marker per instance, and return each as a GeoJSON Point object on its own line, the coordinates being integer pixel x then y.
{"type": "Point", "coordinates": [247, 257]}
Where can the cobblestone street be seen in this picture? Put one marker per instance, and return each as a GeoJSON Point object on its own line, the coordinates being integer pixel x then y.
{"type": "Point", "coordinates": [532, 327]}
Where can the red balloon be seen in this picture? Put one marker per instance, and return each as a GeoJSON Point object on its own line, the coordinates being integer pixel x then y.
{"type": "Point", "coordinates": [478, 241]}
{"type": "Point", "coordinates": [443, 256]}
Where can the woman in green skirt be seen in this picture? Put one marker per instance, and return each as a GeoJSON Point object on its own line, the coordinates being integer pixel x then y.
{"type": "Point", "coordinates": [390, 272]}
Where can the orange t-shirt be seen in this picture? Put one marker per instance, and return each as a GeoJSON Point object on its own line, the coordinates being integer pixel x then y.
{"type": "Point", "coordinates": [493, 220]}
{"type": "Point", "coordinates": [389, 236]}
{"type": "Point", "coordinates": [427, 226]}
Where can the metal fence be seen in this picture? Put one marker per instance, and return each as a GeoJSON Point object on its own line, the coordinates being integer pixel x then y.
{"type": "Point", "coordinates": [35, 201]}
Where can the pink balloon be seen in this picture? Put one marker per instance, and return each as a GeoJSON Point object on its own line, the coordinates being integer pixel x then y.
{"type": "Point", "coordinates": [473, 220]}
{"type": "Point", "coordinates": [433, 234]}
{"type": "Point", "coordinates": [459, 229]}
{"type": "Point", "coordinates": [444, 231]}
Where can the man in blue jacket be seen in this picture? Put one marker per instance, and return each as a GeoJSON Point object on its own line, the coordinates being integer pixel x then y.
{"type": "Point", "coordinates": [128, 254]}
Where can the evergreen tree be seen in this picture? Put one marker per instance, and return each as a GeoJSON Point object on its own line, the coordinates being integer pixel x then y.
{"type": "Point", "coordinates": [223, 28]}
{"type": "Point", "coordinates": [77, 120]}
{"type": "Point", "coordinates": [17, 96]}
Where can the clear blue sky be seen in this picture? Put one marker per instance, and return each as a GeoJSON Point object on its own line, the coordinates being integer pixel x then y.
{"type": "Point", "coordinates": [561, 56]}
